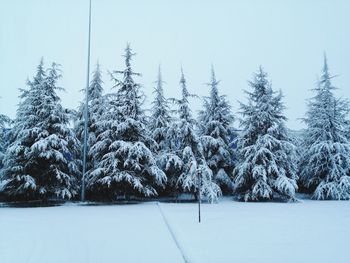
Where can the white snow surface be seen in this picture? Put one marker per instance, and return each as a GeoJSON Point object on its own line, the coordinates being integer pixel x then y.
{"type": "Point", "coordinates": [309, 231]}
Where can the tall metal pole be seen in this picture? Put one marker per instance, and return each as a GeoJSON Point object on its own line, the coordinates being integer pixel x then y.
{"type": "Point", "coordinates": [199, 195]}
{"type": "Point", "coordinates": [86, 111]}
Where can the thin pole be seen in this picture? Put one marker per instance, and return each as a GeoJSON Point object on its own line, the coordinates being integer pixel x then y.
{"type": "Point", "coordinates": [199, 196]}
{"type": "Point", "coordinates": [86, 111]}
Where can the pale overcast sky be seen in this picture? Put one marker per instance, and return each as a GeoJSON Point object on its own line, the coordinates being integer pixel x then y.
{"type": "Point", "coordinates": [287, 38]}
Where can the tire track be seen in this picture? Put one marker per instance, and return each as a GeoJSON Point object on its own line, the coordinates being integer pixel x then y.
{"type": "Point", "coordinates": [172, 234]}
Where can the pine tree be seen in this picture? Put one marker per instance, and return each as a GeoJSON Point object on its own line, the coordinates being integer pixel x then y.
{"type": "Point", "coordinates": [96, 107]}
{"type": "Point", "coordinates": [4, 137]}
{"type": "Point", "coordinates": [188, 148]}
{"type": "Point", "coordinates": [127, 166]}
{"type": "Point", "coordinates": [105, 136]}
{"type": "Point", "coordinates": [215, 123]}
{"type": "Point", "coordinates": [325, 160]}
{"type": "Point", "coordinates": [159, 126]}
{"type": "Point", "coordinates": [160, 118]}
{"type": "Point", "coordinates": [39, 163]}
{"type": "Point", "coordinates": [266, 157]}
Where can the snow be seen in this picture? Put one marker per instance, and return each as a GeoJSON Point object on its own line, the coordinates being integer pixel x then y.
{"type": "Point", "coordinates": [308, 231]}
{"type": "Point", "coordinates": [311, 231]}
{"type": "Point", "coordinates": [83, 234]}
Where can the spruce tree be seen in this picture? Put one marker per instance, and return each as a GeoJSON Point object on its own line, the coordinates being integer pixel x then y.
{"type": "Point", "coordinates": [4, 137]}
{"type": "Point", "coordinates": [105, 135]}
{"type": "Point", "coordinates": [185, 143]}
{"type": "Point", "coordinates": [325, 161]}
{"type": "Point", "coordinates": [96, 107]}
{"type": "Point", "coordinates": [159, 127]}
{"type": "Point", "coordinates": [15, 161]}
{"type": "Point", "coordinates": [127, 167]}
{"type": "Point", "coordinates": [215, 129]}
{"type": "Point", "coordinates": [266, 157]}
{"type": "Point", "coordinates": [39, 163]}
{"type": "Point", "coordinates": [160, 117]}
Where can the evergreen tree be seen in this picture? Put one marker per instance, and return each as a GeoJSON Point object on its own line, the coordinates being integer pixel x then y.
{"type": "Point", "coordinates": [96, 107]}
{"type": "Point", "coordinates": [4, 138]}
{"type": "Point", "coordinates": [105, 135]}
{"type": "Point", "coordinates": [39, 163]}
{"type": "Point", "coordinates": [215, 123]}
{"type": "Point", "coordinates": [266, 157]}
{"type": "Point", "coordinates": [325, 161]}
{"type": "Point", "coordinates": [185, 143]}
{"type": "Point", "coordinates": [159, 126]}
{"type": "Point", "coordinates": [160, 117]}
{"type": "Point", "coordinates": [127, 166]}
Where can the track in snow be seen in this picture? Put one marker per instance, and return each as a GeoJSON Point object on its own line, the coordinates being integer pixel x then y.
{"type": "Point", "coordinates": [172, 234]}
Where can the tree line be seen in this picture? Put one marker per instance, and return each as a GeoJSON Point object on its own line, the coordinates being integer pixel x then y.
{"type": "Point", "coordinates": [168, 152]}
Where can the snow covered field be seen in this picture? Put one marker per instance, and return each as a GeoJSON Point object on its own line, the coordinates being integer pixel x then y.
{"type": "Point", "coordinates": [311, 231]}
